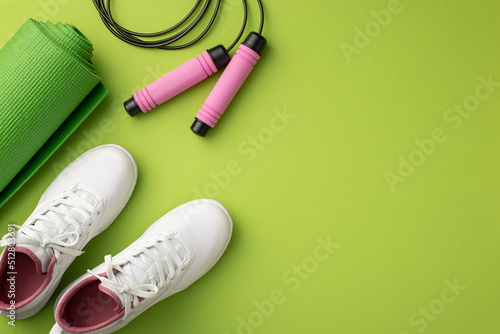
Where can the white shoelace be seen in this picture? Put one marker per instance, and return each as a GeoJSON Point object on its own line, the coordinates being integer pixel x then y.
{"type": "Point", "coordinates": [59, 215]}
{"type": "Point", "coordinates": [155, 275]}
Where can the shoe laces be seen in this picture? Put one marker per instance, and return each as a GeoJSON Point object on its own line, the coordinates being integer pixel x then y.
{"type": "Point", "coordinates": [58, 226]}
{"type": "Point", "coordinates": [159, 263]}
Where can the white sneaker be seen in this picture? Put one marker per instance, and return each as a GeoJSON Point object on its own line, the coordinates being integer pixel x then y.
{"type": "Point", "coordinates": [79, 204]}
{"type": "Point", "coordinates": [172, 254]}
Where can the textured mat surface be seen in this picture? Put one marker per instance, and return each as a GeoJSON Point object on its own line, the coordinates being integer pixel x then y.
{"type": "Point", "coordinates": [48, 87]}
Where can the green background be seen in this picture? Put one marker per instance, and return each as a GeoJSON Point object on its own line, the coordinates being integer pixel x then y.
{"type": "Point", "coordinates": [323, 175]}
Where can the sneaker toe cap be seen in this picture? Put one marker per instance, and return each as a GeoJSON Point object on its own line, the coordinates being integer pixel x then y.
{"type": "Point", "coordinates": [108, 168]}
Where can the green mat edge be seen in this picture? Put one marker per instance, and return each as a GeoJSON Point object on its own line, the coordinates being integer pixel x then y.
{"type": "Point", "coordinates": [55, 141]}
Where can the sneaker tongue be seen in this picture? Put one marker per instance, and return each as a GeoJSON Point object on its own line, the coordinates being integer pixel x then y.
{"type": "Point", "coordinates": [86, 196]}
{"type": "Point", "coordinates": [44, 255]}
{"type": "Point", "coordinates": [139, 274]}
{"type": "Point", "coordinates": [118, 298]}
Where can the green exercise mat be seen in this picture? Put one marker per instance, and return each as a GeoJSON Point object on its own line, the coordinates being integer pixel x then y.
{"type": "Point", "coordinates": [48, 86]}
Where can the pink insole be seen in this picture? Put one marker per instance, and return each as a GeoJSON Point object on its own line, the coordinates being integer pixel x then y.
{"type": "Point", "coordinates": [90, 307]}
{"type": "Point", "coordinates": [27, 281]}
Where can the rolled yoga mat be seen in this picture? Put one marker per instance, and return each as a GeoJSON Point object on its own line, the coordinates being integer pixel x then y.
{"type": "Point", "coordinates": [48, 86]}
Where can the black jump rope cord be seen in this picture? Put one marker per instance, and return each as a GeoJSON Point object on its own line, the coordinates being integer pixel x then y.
{"type": "Point", "coordinates": [132, 37]}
